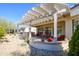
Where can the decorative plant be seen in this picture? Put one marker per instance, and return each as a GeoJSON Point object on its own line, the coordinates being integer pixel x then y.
{"type": "Point", "coordinates": [61, 37]}
{"type": "Point", "coordinates": [74, 43]}
{"type": "Point", "coordinates": [2, 32]}
{"type": "Point", "coordinates": [50, 39]}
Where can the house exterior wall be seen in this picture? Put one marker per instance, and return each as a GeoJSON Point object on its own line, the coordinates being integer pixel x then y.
{"type": "Point", "coordinates": [75, 22]}
{"type": "Point", "coordinates": [74, 11]}
{"type": "Point", "coordinates": [70, 23]}
{"type": "Point", "coordinates": [67, 25]}
{"type": "Point", "coordinates": [68, 28]}
{"type": "Point", "coordinates": [50, 26]}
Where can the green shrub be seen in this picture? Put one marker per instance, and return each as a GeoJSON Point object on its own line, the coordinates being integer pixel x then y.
{"type": "Point", "coordinates": [2, 32]}
{"type": "Point", "coordinates": [74, 43]}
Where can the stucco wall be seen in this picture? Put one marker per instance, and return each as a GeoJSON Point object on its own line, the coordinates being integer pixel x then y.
{"type": "Point", "coordinates": [68, 28]}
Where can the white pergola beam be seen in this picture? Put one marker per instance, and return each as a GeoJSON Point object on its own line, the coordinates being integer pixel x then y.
{"type": "Point", "coordinates": [40, 10]}
{"type": "Point", "coordinates": [35, 13]}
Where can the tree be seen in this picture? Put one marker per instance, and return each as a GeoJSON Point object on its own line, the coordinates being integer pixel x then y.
{"type": "Point", "coordinates": [74, 43]}
{"type": "Point", "coordinates": [7, 25]}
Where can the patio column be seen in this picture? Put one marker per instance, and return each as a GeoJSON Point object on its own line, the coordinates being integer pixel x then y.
{"type": "Point", "coordinates": [55, 27]}
{"type": "Point", "coordinates": [55, 23]}
{"type": "Point", "coordinates": [29, 33]}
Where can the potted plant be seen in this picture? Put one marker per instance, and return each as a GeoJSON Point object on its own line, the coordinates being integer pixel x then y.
{"type": "Point", "coordinates": [61, 37]}
{"type": "Point", "coordinates": [50, 39]}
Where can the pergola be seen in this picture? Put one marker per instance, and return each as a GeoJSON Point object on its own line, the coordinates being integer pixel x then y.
{"type": "Point", "coordinates": [45, 12]}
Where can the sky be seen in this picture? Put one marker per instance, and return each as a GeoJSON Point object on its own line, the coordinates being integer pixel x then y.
{"type": "Point", "coordinates": [14, 11]}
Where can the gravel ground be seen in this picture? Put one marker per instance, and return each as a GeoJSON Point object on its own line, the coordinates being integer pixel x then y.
{"type": "Point", "coordinates": [15, 47]}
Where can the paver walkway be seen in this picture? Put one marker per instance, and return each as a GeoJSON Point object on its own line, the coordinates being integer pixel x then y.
{"type": "Point", "coordinates": [15, 47]}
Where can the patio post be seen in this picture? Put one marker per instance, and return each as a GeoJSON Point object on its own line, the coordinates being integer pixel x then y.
{"type": "Point", "coordinates": [55, 27]}
{"type": "Point", "coordinates": [30, 32]}
{"type": "Point", "coordinates": [55, 23]}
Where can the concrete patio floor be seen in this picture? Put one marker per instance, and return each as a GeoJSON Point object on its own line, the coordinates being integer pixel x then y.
{"type": "Point", "coordinates": [39, 48]}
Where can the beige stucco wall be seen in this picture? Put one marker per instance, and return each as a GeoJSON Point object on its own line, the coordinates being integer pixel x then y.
{"type": "Point", "coordinates": [68, 22]}
{"type": "Point", "coordinates": [68, 28]}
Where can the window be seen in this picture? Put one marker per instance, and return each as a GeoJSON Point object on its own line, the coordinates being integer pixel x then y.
{"type": "Point", "coordinates": [59, 31]}
{"type": "Point", "coordinates": [74, 24]}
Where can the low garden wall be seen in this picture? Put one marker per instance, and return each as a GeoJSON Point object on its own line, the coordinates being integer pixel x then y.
{"type": "Point", "coordinates": [35, 51]}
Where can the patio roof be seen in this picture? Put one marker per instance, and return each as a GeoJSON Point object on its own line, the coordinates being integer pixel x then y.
{"type": "Point", "coordinates": [44, 11]}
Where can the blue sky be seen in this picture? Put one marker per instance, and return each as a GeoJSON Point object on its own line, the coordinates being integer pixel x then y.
{"type": "Point", "coordinates": [14, 11]}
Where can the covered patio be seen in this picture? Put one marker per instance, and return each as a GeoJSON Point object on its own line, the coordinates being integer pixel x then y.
{"type": "Point", "coordinates": [40, 16]}
{"type": "Point", "coordinates": [48, 16]}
